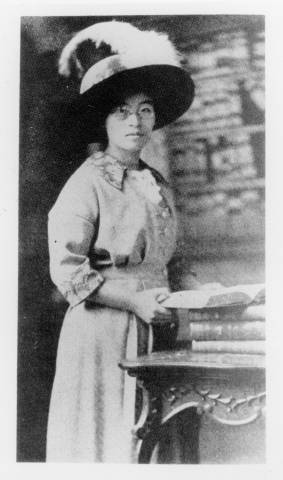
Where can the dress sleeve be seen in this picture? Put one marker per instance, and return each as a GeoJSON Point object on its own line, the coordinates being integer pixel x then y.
{"type": "Point", "coordinates": [72, 228]}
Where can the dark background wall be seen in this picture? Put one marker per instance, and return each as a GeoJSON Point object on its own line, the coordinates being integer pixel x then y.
{"type": "Point", "coordinates": [227, 246]}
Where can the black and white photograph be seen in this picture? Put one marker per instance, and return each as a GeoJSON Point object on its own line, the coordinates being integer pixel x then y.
{"type": "Point", "coordinates": [141, 335]}
{"type": "Point", "coordinates": [141, 331]}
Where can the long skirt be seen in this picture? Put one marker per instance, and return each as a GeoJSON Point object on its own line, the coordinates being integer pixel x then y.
{"type": "Point", "coordinates": [92, 408]}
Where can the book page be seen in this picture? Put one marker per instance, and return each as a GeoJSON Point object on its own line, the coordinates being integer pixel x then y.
{"type": "Point", "coordinates": [194, 299]}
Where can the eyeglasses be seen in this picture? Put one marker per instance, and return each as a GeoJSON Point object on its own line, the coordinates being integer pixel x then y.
{"type": "Point", "coordinates": [145, 112]}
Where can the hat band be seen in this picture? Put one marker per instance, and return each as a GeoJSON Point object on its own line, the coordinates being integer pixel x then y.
{"type": "Point", "coordinates": [109, 66]}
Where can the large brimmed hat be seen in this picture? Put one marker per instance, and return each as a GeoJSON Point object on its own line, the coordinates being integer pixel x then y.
{"type": "Point", "coordinates": [118, 58]}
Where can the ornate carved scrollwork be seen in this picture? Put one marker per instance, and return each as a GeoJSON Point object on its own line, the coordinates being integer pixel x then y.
{"type": "Point", "coordinates": [230, 400]}
{"type": "Point", "coordinates": [225, 409]}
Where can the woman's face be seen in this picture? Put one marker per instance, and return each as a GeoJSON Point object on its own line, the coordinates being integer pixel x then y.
{"type": "Point", "coordinates": [129, 125]}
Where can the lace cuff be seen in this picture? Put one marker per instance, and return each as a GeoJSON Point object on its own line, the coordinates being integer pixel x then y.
{"type": "Point", "coordinates": [83, 282]}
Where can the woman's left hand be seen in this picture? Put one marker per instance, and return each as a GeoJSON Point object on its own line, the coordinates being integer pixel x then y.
{"type": "Point", "coordinates": [147, 304]}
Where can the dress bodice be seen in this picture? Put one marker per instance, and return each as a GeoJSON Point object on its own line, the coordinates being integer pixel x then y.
{"type": "Point", "coordinates": [110, 221]}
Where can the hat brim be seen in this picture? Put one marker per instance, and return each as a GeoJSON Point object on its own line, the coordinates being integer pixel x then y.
{"type": "Point", "coordinates": [171, 89]}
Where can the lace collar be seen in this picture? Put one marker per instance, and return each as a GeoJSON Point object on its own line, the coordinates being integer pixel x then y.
{"type": "Point", "coordinates": [115, 173]}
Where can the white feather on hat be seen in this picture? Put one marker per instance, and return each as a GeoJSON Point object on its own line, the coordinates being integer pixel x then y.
{"type": "Point", "coordinates": [134, 45]}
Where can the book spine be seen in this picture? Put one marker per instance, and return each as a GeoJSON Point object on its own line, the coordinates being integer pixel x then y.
{"type": "Point", "coordinates": [218, 330]}
{"type": "Point", "coordinates": [252, 313]}
{"type": "Point", "coordinates": [229, 346]}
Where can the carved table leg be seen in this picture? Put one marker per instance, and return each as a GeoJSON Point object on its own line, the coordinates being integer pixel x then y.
{"type": "Point", "coordinates": [186, 449]}
{"type": "Point", "coordinates": [151, 430]}
{"type": "Point", "coordinates": [147, 429]}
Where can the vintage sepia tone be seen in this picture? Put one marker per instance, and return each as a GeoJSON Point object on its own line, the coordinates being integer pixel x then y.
{"type": "Point", "coordinates": [206, 403]}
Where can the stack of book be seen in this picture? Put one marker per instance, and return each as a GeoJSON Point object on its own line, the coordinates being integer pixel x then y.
{"type": "Point", "coordinates": [223, 320]}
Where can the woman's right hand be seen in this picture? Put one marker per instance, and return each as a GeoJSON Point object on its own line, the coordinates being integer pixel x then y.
{"type": "Point", "coordinates": [146, 304]}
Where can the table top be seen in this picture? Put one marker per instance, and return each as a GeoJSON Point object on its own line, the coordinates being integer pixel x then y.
{"type": "Point", "coordinates": [188, 359]}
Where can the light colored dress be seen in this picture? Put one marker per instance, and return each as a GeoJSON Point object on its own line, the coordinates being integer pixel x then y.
{"type": "Point", "coordinates": [109, 224]}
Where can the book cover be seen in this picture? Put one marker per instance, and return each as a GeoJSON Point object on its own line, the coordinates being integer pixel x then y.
{"type": "Point", "coordinates": [218, 330]}
{"type": "Point", "coordinates": [219, 346]}
{"type": "Point", "coordinates": [232, 313]}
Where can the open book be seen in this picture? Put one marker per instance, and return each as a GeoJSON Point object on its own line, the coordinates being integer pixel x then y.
{"type": "Point", "coordinates": [218, 297]}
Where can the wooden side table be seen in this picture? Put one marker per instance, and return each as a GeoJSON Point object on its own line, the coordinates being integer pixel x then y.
{"type": "Point", "coordinates": [230, 388]}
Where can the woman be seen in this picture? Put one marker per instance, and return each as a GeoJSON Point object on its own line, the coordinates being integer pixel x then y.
{"type": "Point", "coordinates": [112, 232]}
